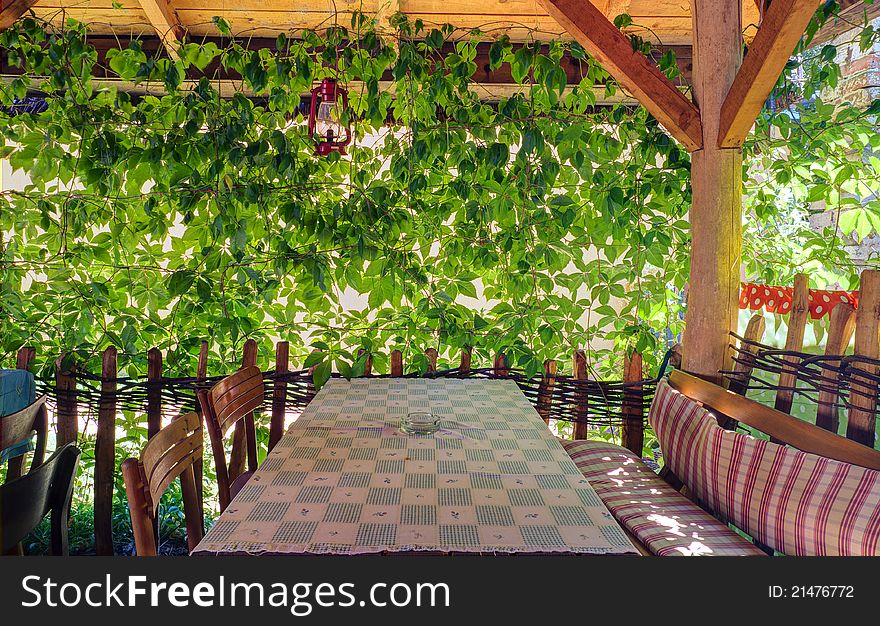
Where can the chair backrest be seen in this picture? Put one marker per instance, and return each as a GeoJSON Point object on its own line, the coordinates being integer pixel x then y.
{"type": "Point", "coordinates": [19, 428]}
{"type": "Point", "coordinates": [25, 501]}
{"type": "Point", "coordinates": [170, 453]}
{"type": "Point", "coordinates": [232, 402]}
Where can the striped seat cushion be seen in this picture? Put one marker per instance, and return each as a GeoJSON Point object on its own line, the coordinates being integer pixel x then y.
{"type": "Point", "coordinates": [664, 521]}
{"type": "Point", "coordinates": [795, 502]}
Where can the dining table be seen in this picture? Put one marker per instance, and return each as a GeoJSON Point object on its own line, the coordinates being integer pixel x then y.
{"type": "Point", "coordinates": [345, 479]}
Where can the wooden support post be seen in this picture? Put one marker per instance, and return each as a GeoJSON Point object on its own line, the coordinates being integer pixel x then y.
{"type": "Point", "coordinates": [742, 368]}
{"type": "Point", "coordinates": [500, 367]}
{"type": "Point", "coordinates": [279, 393]}
{"type": "Point", "coordinates": [545, 390]}
{"type": "Point", "coordinates": [794, 342]}
{"type": "Point", "coordinates": [716, 192]}
{"type": "Point", "coordinates": [105, 456]}
{"type": "Point", "coordinates": [396, 363]}
{"type": "Point", "coordinates": [154, 392]}
{"type": "Point", "coordinates": [632, 432]}
{"type": "Point", "coordinates": [237, 456]}
{"type": "Point", "coordinates": [66, 419]}
{"type": "Point", "coordinates": [840, 331]}
{"type": "Point", "coordinates": [466, 356]}
{"type": "Point", "coordinates": [863, 394]}
{"type": "Point", "coordinates": [580, 427]}
{"type": "Point", "coordinates": [25, 358]}
{"type": "Point", "coordinates": [431, 355]}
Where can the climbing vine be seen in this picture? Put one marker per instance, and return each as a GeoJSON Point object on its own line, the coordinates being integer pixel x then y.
{"type": "Point", "coordinates": [160, 210]}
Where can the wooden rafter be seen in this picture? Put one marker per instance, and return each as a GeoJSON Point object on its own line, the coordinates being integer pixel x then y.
{"type": "Point", "coordinates": [13, 10]}
{"type": "Point", "coordinates": [639, 76]}
{"type": "Point", "coordinates": [783, 26]}
{"type": "Point", "coordinates": [164, 19]}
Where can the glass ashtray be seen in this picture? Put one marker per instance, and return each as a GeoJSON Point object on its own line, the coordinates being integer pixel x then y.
{"type": "Point", "coordinates": [420, 423]}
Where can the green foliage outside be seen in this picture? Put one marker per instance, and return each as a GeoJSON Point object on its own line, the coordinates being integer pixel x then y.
{"type": "Point", "coordinates": [162, 219]}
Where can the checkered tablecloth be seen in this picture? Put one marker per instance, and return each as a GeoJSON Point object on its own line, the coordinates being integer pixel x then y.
{"type": "Point", "coordinates": [345, 480]}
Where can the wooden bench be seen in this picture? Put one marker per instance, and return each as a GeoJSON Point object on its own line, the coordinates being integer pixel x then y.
{"type": "Point", "coordinates": [817, 493]}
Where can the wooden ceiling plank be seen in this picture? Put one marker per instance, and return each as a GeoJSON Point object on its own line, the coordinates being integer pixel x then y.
{"type": "Point", "coordinates": [164, 19]}
{"type": "Point", "coordinates": [639, 76]}
{"type": "Point", "coordinates": [781, 29]}
{"type": "Point", "coordinates": [14, 10]}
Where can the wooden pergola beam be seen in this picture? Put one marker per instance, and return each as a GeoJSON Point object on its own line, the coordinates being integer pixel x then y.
{"type": "Point", "coordinates": [639, 76]}
{"type": "Point", "coordinates": [783, 26]}
{"type": "Point", "coordinates": [164, 19]}
{"type": "Point", "coordinates": [13, 10]}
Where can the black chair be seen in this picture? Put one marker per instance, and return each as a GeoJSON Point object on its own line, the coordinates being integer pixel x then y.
{"type": "Point", "coordinates": [26, 500]}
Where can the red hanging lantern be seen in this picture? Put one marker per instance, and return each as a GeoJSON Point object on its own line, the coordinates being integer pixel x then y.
{"type": "Point", "coordinates": [329, 100]}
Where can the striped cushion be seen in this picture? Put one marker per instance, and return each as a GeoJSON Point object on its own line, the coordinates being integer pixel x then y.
{"type": "Point", "coordinates": [795, 502]}
{"type": "Point", "coordinates": [664, 521]}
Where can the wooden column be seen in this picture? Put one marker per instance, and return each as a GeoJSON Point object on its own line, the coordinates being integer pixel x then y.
{"type": "Point", "coordinates": [716, 187]}
{"type": "Point", "coordinates": [105, 456]}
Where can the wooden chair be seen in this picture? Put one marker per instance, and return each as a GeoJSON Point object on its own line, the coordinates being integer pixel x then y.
{"type": "Point", "coordinates": [24, 501]}
{"type": "Point", "coordinates": [19, 428]}
{"type": "Point", "coordinates": [230, 402]}
{"type": "Point", "coordinates": [169, 453]}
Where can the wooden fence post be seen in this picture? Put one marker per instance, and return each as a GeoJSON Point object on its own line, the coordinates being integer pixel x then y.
{"type": "Point", "coordinates": [279, 393]}
{"type": "Point", "coordinates": [632, 433]}
{"type": "Point", "coordinates": [368, 363]}
{"type": "Point", "coordinates": [466, 355]}
{"type": "Point", "coordinates": [580, 427]}
{"type": "Point", "coordinates": [745, 363]}
{"type": "Point", "coordinates": [840, 331]}
{"type": "Point", "coordinates": [239, 439]}
{"type": "Point", "coordinates": [25, 358]}
{"type": "Point", "coordinates": [794, 341]}
{"type": "Point", "coordinates": [105, 455]}
{"type": "Point", "coordinates": [431, 355]}
{"type": "Point", "coordinates": [500, 366]}
{"type": "Point", "coordinates": [863, 396]}
{"type": "Point", "coordinates": [66, 419]}
{"type": "Point", "coordinates": [545, 389]}
{"type": "Point", "coordinates": [396, 363]}
{"type": "Point", "coordinates": [198, 466]}
{"type": "Point", "coordinates": [154, 392]}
